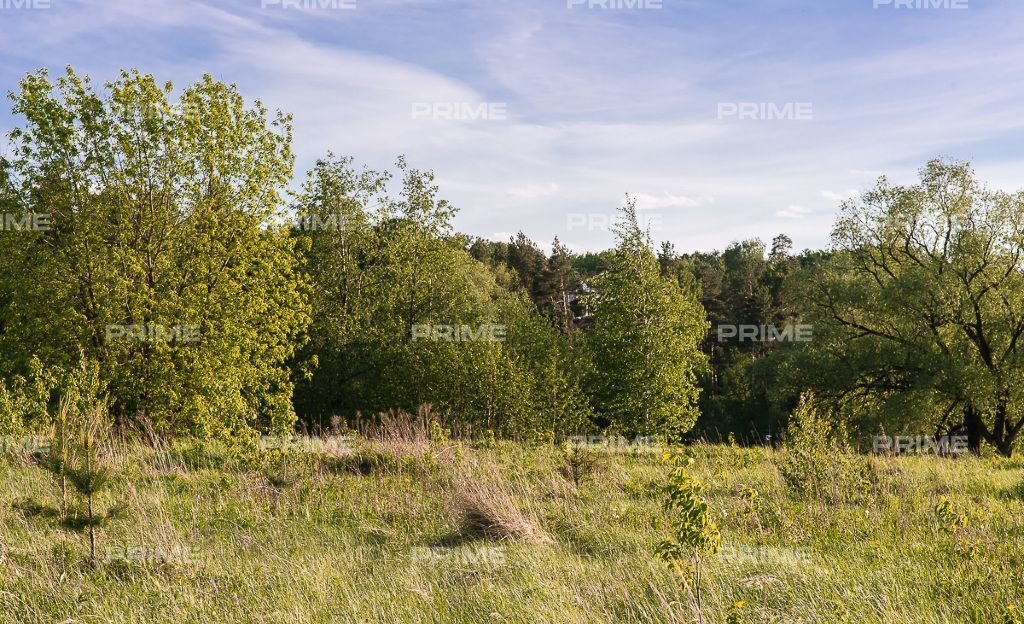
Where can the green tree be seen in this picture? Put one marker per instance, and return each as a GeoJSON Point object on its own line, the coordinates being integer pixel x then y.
{"type": "Point", "coordinates": [559, 288]}
{"type": "Point", "coordinates": [918, 315]}
{"type": "Point", "coordinates": [694, 532]}
{"type": "Point", "coordinates": [390, 275]}
{"type": "Point", "coordinates": [163, 263]}
{"type": "Point", "coordinates": [644, 340]}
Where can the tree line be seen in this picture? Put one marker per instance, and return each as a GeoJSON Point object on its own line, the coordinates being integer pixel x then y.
{"type": "Point", "coordinates": [155, 245]}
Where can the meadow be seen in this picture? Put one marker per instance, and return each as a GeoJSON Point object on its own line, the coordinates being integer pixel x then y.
{"type": "Point", "coordinates": [411, 526]}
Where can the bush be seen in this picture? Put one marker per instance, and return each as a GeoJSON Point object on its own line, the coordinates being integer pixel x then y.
{"type": "Point", "coordinates": [816, 458]}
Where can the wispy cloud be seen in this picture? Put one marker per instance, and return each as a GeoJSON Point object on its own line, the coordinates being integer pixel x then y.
{"type": "Point", "coordinates": [793, 212]}
{"type": "Point", "coordinates": [838, 197]}
{"type": "Point", "coordinates": [600, 103]}
{"type": "Point", "coordinates": [665, 200]}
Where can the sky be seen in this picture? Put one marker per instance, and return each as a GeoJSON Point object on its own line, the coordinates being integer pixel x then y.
{"type": "Point", "coordinates": [725, 119]}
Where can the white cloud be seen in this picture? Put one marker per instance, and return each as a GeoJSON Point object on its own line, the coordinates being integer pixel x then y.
{"type": "Point", "coordinates": [838, 197]}
{"type": "Point", "coordinates": [666, 200]}
{"type": "Point", "coordinates": [533, 191]}
{"type": "Point", "coordinates": [793, 212]}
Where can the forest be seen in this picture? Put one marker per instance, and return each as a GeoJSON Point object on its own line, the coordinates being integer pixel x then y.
{"type": "Point", "coordinates": [159, 256]}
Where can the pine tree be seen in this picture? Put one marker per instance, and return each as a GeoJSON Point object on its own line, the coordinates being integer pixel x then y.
{"type": "Point", "coordinates": [90, 475]}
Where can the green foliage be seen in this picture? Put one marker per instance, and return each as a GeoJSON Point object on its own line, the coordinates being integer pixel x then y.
{"type": "Point", "coordinates": [735, 614]}
{"type": "Point", "coordinates": [643, 344]}
{"type": "Point", "coordinates": [24, 400]}
{"type": "Point", "coordinates": [1012, 615]}
{"type": "Point", "coordinates": [162, 217]}
{"type": "Point", "coordinates": [951, 520]}
{"type": "Point", "coordinates": [392, 270]}
{"type": "Point", "coordinates": [694, 532]}
{"type": "Point", "coordinates": [917, 314]}
{"type": "Point", "coordinates": [815, 457]}
{"type": "Point", "coordinates": [578, 464]}
{"type": "Point", "coordinates": [693, 528]}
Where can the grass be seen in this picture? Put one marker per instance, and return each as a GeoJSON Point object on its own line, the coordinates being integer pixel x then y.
{"type": "Point", "coordinates": [395, 533]}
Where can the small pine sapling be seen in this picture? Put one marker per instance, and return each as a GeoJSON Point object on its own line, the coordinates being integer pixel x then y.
{"type": "Point", "coordinates": [55, 460]}
{"type": "Point", "coordinates": [90, 475]}
{"type": "Point", "coordinates": [578, 463]}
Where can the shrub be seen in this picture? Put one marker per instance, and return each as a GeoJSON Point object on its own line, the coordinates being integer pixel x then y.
{"type": "Point", "coordinates": [816, 458]}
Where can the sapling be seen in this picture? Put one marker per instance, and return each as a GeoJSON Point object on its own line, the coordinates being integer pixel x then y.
{"type": "Point", "coordinates": [694, 532]}
{"type": "Point", "coordinates": [89, 476]}
{"type": "Point", "coordinates": [578, 463]}
{"type": "Point", "coordinates": [55, 460]}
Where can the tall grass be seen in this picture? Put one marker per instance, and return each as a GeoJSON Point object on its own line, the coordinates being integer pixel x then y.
{"type": "Point", "coordinates": [211, 541]}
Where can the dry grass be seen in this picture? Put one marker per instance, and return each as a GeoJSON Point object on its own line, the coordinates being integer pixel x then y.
{"type": "Point", "coordinates": [491, 506]}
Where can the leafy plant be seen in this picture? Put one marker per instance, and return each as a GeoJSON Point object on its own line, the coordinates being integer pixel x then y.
{"type": "Point", "coordinates": [815, 458]}
{"type": "Point", "coordinates": [735, 614]}
{"type": "Point", "coordinates": [694, 532]}
{"type": "Point", "coordinates": [951, 519]}
{"type": "Point", "coordinates": [1012, 615]}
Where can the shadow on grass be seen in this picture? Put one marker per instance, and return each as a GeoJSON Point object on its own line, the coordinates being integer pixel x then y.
{"type": "Point", "coordinates": [31, 508]}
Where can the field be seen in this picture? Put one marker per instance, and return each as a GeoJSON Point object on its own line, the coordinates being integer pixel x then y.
{"type": "Point", "coordinates": [419, 531]}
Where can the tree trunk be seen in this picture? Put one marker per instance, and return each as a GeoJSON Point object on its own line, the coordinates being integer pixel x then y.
{"type": "Point", "coordinates": [92, 536]}
{"type": "Point", "coordinates": [974, 428]}
{"type": "Point", "coordinates": [1003, 434]}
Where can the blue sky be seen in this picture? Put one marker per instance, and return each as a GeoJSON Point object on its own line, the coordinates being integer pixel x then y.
{"type": "Point", "coordinates": [590, 103]}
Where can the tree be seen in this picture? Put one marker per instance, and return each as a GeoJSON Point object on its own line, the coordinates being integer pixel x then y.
{"type": "Point", "coordinates": [163, 262]}
{"type": "Point", "coordinates": [644, 340]}
{"type": "Point", "coordinates": [393, 275]}
{"type": "Point", "coordinates": [919, 314]}
{"type": "Point", "coordinates": [529, 263]}
{"type": "Point", "coordinates": [559, 288]}
{"type": "Point", "coordinates": [694, 532]}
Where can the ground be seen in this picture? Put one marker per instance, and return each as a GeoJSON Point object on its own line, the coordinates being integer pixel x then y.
{"type": "Point", "coordinates": [450, 532]}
